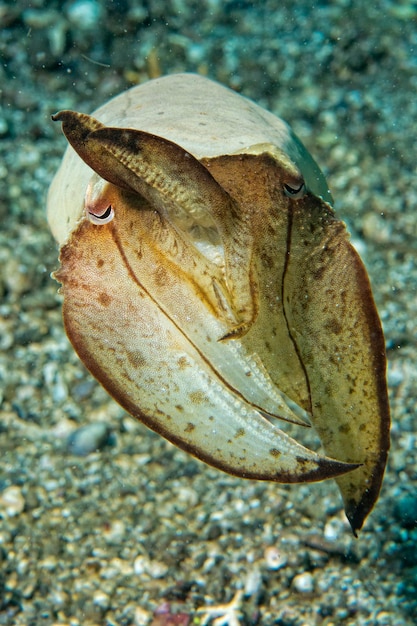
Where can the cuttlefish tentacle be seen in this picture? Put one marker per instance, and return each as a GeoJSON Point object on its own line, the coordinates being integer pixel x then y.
{"type": "Point", "coordinates": [167, 248]}
{"type": "Point", "coordinates": [337, 332]}
{"type": "Point", "coordinates": [228, 433]}
{"type": "Point", "coordinates": [176, 183]}
{"type": "Point", "coordinates": [182, 297]}
{"type": "Point", "coordinates": [267, 339]}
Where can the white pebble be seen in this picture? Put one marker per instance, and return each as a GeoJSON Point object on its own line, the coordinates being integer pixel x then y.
{"type": "Point", "coordinates": [139, 565]}
{"type": "Point", "coordinates": [253, 583]}
{"type": "Point", "coordinates": [157, 569]}
{"type": "Point", "coordinates": [304, 583]}
{"type": "Point", "coordinates": [154, 569]}
{"type": "Point", "coordinates": [275, 559]}
{"type": "Point", "coordinates": [142, 617]}
{"type": "Point", "coordinates": [101, 599]}
{"type": "Point", "coordinates": [332, 529]}
{"type": "Point", "coordinates": [85, 14]}
{"type": "Point", "coordinates": [12, 502]}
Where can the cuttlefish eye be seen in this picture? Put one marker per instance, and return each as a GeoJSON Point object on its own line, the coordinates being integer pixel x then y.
{"type": "Point", "coordinates": [294, 192]}
{"type": "Point", "coordinates": [98, 201]}
{"type": "Point", "coordinates": [101, 217]}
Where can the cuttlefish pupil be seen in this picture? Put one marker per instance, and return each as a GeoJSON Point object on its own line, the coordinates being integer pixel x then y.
{"type": "Point", "coordinates": [295, 192]}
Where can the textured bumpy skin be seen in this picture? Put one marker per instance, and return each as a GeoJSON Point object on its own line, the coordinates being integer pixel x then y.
{"type": "Point", "coordinates": [210, 288]}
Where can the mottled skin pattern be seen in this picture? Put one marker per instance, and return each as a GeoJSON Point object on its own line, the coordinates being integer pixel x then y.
{"type": "Point", "coordinates": [216, 290]}
{"type": "Point", "coordinates": [137, 350]}
{"type": "Point", "coordinates": [325, 329]}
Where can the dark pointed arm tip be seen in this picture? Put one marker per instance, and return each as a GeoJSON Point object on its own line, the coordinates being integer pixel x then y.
{"type": "Point", "coordinates": [61, 116]}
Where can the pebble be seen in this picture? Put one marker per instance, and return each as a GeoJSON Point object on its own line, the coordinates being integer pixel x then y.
{"type": "Point", "coordinates": [275, 559]}
{"type": "Point", "coordinates": [334, 529]}
{"type": "Point", "coordinates": [141, 617]}
{"type": "Point", "coordinates": [303, 583]}
{"type": "Point", "coordinates": [17, 277]}
{"type": "Point", "coordinates": [4, 128]}
{"type": "Point", "coordinates": [253, 582]}
{"type": "Point", "coordinates": [12, 502]}
{"type": "Point", "coordinates": [85, 14]}
{"type": "Point", "coordinates": [101, 599]}
{"type": "Point", "coordinates": [88, 439]}
{"type": "Point", "coordinates": [6, 335]}
{"type": "Point", "coordinates": [155, 569]}
{"type": "Point", "coordinates": [115, 532]}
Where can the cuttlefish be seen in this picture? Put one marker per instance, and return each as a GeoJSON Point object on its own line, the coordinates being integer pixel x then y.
{"type": "Point", "coordinates": [209, 287]}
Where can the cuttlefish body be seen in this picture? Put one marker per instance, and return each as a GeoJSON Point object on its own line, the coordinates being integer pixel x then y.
{"type": "Point", "coordinates": [210, 288]}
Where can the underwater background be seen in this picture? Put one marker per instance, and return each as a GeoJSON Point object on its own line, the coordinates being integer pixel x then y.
{"type": "Point", "coordinates": [103, 522]}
